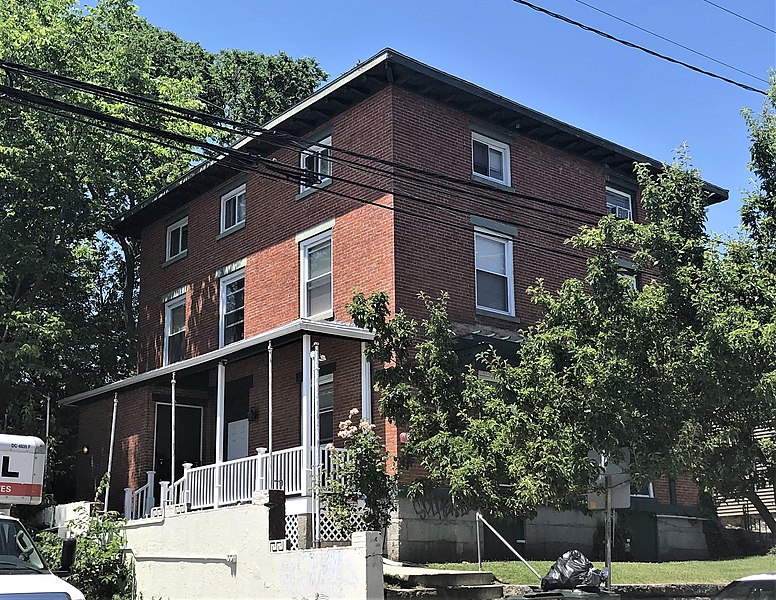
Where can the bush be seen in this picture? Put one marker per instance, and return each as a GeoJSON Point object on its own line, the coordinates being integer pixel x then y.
{"type": "Point", "coordinates": [100, 570]}
{"type": "Point", "coordinates": [360, 484]}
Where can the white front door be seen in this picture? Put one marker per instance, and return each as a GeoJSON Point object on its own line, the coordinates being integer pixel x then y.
{"type": "Point", "coordinates": [237, 439]}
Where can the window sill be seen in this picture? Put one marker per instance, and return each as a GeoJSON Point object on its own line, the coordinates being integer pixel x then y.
{"type": "Point", "coordinates": [484, 312]}
{"type": "Point", "coordinates": [313, 189]}
{"type": "Point", "coordinates": [324, 316]}
{"type": "Point", "coordinates": [492, 182]}
{"type": "Point", "coordinates": [230, 231]}
{"type": "Point", "coordinates": [175, 258]}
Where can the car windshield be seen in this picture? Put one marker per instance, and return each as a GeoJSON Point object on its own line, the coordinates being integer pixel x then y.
{"type": "Point", "coordinates": [756, 589]}
{"type": "Point", "coordinates": [17, 552]}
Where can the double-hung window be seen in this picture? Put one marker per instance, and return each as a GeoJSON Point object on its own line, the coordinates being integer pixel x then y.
{"type": "Point", "coordinates": [316, 276]}
{"type": "Point", "coordinates": [618, 203]}
{"type": "Point", "coordinates": [232, 308]}
{"type": "Point", "coordinates": [233, 209]}
{"type": "Point", "coordinates": [315, 163]}
{"type": "Point", "coordinates": [326, 408]}
{"type": "Point", "coordinates": [175, 330]}
{"type": "Point", "coordinates": [178, 238]}
{"type": "Point", "coordinates": [490, 159]}
{"type": "Point", "coordinates": [494, 274]}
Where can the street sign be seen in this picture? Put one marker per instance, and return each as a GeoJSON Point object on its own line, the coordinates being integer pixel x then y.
{"type": "Point", "coordinates": [22, 461]}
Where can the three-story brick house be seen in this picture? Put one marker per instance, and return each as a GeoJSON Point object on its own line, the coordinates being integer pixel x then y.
{"type": "Point", "coordinates": [412, 180]}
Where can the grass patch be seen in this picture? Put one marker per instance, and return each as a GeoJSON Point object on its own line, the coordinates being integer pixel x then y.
{"type": "Point", "coordinates": [708, 571]}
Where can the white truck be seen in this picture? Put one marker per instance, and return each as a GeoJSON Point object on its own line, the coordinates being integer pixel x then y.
{"type": "Point", "coordinates": [24, 574]}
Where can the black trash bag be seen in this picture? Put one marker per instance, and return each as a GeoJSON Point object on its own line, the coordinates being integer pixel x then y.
{"type": "Point", "coordinates": [570, 571]}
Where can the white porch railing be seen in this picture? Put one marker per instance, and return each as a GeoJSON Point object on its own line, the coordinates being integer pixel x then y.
{"type": "Point", "coordinates": [138, 503]}
{"type": "Point", "coordinates": [229, 483]}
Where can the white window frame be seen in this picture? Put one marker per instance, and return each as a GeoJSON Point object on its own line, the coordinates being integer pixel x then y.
{"type": "Point", "coordinates": [618, 211]}
{"type": "Point", "coordinates": [304, 247]}
{"type": "Point", "coordinates": [650, 493]}
{"type": "Point", "coordinates": [233, 194]}
{"type": "Point", "coordinates": [169, 306]}
{"type": "Point", "coordinates": [324, 174]}
{"type": "Point", "coordinates": [225, 281]}
{"type": "Point", "coordinates": [506, 165]}
{"type": "Point", "coordinates": [171, 229]}
{"type": "Point", "coordinates": [326, 380]}
{"type": "Point", "coordinates": [510, 274]}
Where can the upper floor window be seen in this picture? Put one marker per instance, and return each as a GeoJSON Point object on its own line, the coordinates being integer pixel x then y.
{"type": "Point", "coordinates": [316, 280]}
{"type": "Point", "coordinates": [315, 163]}
{"type": "Point", "coordinates": [233, 209]}
{"type": "Point", "coordinates": [178, 238]}
{"type": "Point", "coordinates": [175, 330]}
{"type": "Point", "coordinates": [495, 288]}
{"type": "Point", "coordinates": [490, 159]}
{"type": "Point", "coordinates": [232, 308]}
{"type": "Point", "coordinates": [618, 203]}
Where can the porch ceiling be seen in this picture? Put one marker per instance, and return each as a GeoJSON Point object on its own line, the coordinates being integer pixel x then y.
{"type": "Point", "coordinates": [244, 348]}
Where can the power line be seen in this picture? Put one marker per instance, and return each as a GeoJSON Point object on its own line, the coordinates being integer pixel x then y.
{"type": "Point", "coordinates": [670, 41]}
{"type": "Point", "coordinates": [735, 14]}
{"type": "Point", "coordinates": [239, 163]}
{"type": "Point", "coordinates": [283, 140]}
{"type": "Point", "coordinates": [637, 47]}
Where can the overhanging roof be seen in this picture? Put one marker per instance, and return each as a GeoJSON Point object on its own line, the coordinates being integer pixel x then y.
{"type": "Point", "coordinates": [235, 351]}
{"type": "Point", "coordinates": [386, 68]}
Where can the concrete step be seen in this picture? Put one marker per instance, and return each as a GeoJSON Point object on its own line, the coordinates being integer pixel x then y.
{"type": "Point", "coordinates": [418, 577]}
{"type": "Point", "coordinates": [462, 592]}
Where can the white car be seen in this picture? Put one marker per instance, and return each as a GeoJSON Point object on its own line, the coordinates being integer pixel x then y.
{"type": "Point", "coordinates": [23, 573]}
{"type": "Point", "coordinates": [752, 587]}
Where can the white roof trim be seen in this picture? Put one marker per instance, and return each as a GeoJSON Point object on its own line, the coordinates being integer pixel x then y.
{"type": "Point", "coordinates": [299, 326]}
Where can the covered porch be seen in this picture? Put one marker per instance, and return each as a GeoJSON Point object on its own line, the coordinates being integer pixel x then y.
{"type": "Point", "coordinates": [211, 430]}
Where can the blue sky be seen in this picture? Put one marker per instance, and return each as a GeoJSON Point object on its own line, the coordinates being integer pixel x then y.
{"type": "Point", "coordinates": [618, 93]}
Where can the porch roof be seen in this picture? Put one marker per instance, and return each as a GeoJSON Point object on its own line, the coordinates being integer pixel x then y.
{"type": "Point", "coordinates": [241, 349]}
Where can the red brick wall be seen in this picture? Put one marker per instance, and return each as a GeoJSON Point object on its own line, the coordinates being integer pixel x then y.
{"type": "Point", "coordinates": [362, 244]}
{"type": "Point", "coordinates": [687, 492]}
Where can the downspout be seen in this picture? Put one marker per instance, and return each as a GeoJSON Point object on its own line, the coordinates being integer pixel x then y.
{"type": "Point", "coordinates": [220, 392]}
{"type": "Point", "coordinates": [315, 355]}
{"type": "Point", "coordinates": [110, 450]}
{"type": "Point", "coordinates": [270, 474]}
{"type": "Point", "coordinates": [306, 434]}
{"type": "Point", "coordinates": [172, 429]}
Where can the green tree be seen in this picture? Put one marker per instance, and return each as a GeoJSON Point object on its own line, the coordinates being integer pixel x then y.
{"type": "Point", "coordinates": [64, 282]}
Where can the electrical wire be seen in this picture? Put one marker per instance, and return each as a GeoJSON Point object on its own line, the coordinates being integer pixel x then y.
{"type": "Point", "coordinates": [735, 14]}
{"type": "Point", "coordinates": [670, 41]}
{"type": "Point", "coordinates": [283, 140]}
{"type": "Point", "coordinates": [609, 36]}
{"type": "Point", "coordinates": [278, 171]}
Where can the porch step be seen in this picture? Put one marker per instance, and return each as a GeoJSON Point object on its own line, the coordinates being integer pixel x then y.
{"type": "Point", "coordinates": [418, 582]}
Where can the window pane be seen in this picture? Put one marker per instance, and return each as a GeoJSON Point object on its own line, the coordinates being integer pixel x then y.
{"type": "Point", "coordinates": [319, 260]}
{"type": "Point", "coordinates": [491, 255]}
{"type": "Point", "coordinates": [613, 199]}
{"type": "Point", "coordinates": [174, 243]}
{"type": "Point", "coordinates": [234, 317]}
{"type": "Point", "coordinates": [235, 295]}
{"type": "Point", "coordinates": [233, 333]}
{"type": "Point", "coordinates": [184, 244]}
{"type": "Point", "coordinates": [325, 162]}
{"type": "Point", "coordinates": [496, 164]}
{"type": "Point", "coordinates": [175, 347]}
{"type": "Point", "coordinates": [229, 213]}
{"type": "Point", "coordinates": [492, 291]}
{"type": "Point", "coordinates": [177, 318]}
{"type": "Point", "coordinates": [240, 208]}
{"type": "Point", "coordinates": [319, 295]}
{"type": "Point", "coordinates": [480, 158]}
{"type": "Point", "coordinates": [326, 396]}
{"type": "Point", "coordinates": [326, 426]}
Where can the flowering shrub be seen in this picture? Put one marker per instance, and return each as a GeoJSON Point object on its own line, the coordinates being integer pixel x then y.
{"type": "Point", "coordinates": [362, 482]}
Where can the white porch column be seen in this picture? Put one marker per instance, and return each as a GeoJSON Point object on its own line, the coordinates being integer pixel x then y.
{"type": "Point", "coordinates": [172, 428]}
{"type": "Point", "coordinates": [110, 450]}
{"type": "Point", "coordinates": [315, 357]}
{"type": "Point", "coordinates": [306, 415]}
{"type": "Point", "coordinates": [270, 474]}
{"type": "Point", "coordinates": [220, 393]}
{"type": "Point", "coordinates": [366, 385]}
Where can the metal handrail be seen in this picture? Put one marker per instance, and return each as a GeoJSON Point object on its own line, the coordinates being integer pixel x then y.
{"type": "Point", "coordinates": [506, 543]}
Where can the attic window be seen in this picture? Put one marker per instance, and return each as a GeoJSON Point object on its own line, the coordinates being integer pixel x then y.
{"type": "Point", "coordinates": [490, 159]}
{"type": "Point", "coordinates": [178, 238]}
{"type": "Point", "coordinates": [233, 209]}
{"type": "Point", "coordinates": [618, 203]}
{"type": "Point", "coordinates": [315, 163]}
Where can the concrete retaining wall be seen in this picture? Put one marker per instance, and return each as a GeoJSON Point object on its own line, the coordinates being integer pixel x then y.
{"type": "Point", "coordinates": [681, 538]}
{"type": "Point", "coordinates": [227, 554]}
{"type": "Point", "coordinates": [552, 533]}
